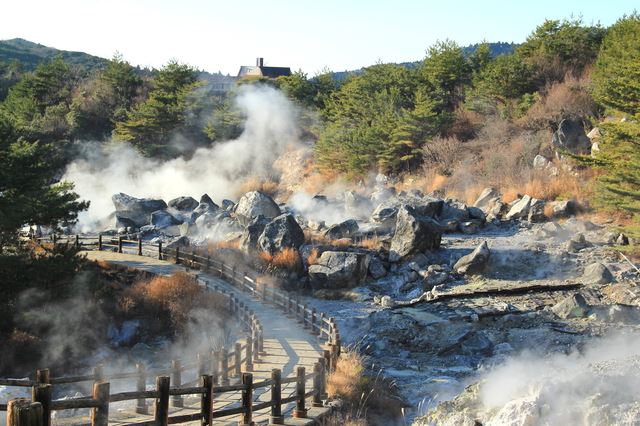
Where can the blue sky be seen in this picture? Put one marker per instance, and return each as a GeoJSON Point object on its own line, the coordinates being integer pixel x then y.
{"type": "Point", "coordinates": [308, 35]}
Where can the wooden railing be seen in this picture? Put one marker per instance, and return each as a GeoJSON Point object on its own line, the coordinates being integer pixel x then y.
{"type": "Point", "coordinates": [213, 369]}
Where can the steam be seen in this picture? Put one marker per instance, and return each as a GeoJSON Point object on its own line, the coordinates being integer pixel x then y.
{"type": "Point", "coordinates": [595, 386]}
{"type": "Point", "coordinates": [104, 170]}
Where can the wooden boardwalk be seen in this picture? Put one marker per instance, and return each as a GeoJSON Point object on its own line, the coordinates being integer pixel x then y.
{"type": "Point", "coordinates": [287, 345]}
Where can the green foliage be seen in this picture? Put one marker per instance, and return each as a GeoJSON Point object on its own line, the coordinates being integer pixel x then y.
{"type": "Point", "coordinates": [26, 193]}
{"type": "Point", "coordinates": [225, 122]}
{"type": "Point", "coordinates": [616, 78]}
{"type": "Point", "coordinates": [10, 74]}
{"type": "Point", "coordinates": [557, 47]}
{"type": "Point", "coordinates": [377, 120]}
{"type": "Point", "coordinates": [153, 123]}
{"type": "Point", "coordinates": [38, 105]}
{"type": "Point", "coordinates": [446, 70]}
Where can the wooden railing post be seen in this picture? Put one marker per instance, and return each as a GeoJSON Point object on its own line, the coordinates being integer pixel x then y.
{"type": "Point", "coordinates": [42, 393]}
{"type": "Point", "coordinates": [141, 386]}
{"type": "Point", "coordinates": [247, 399]}
{"type": "Point", "coordinates": [23, 412]}
{"type": "Point", "coordinates": [159, 250]}
{"type": "Point", "coordinates": [120, 238]}
{"type": "Point", "coordinates": [206, 401]}
{"type": "Point", "coordinates": [300, 411]}
{"type": "Point", "coordinates": [139, 246]}
{"type": "Point", "coordinates": [77, 241]}
{"type": "Point", "coordinates": [202, 369]}
{"type": "Point", "coordinates": [264, 292]}
{"type": "Point", "coordinates": [224, 361]}
{"type": "Point", "coordinates": [276, 398]}
{"type": "Point", "coordinates": [177, 254]}
{"type": "Point", "coordinates": [313, 321]}
{"type": "Point", "coordinates": [323, 378]}
{"type": "Point", "coordinates": [176, 379]}
{"type": "Point", "coordinates": [317, 384]}
{"type": "Point", "coordinates": [304, 316]}
{"type": "Point", "coordinates": [237, 354]}
{"type": "Point", "coordinates": [54, 238]}
{"type": "Point", "coordinates": [161, 414]}
{"type": "Point", "coordinates": [321, 324]}
{"type": "Point", "coordinates": [248, 366]}
{"type": "Point", "coordinates": [326, 354]}
{"type": "Point", "coordinates": [334, 356]}
{"type": "Point", "coordinates": [100, 415]}
{"type": "Point", "coordinates": [43, 376]}
{"type": "Point", "coordinates": [99, 242]}
{"type": "Point", "coordinates": [98, 374]}
{"type": "Point", "coordinates": [261, 341]}
{"type": "Point", "coordinates": [215, 366]}
{"type": "Point", "coordinates": [256, 344]}
{"type": "Point", "coordinates": [207, 265]}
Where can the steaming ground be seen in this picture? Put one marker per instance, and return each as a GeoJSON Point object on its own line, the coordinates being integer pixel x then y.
{"type": "Point", "coordinates": [106, 169]}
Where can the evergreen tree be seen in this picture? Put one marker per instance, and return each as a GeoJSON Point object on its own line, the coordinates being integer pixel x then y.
{"type": "Point", "coordinates": [152, 124]}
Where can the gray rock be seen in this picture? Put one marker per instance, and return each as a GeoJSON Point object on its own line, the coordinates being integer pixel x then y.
{"type": "Point", "coordinates": [254, 204]}
{"type": "Point", "coordinates": [183, 203]}
{"type": "Point", "coordinates": [387, 302]}
{"type": "Point", "coordinates": [487, 198]}
{"type": "Point", "coordinates": [356, 205]}
{"type": "Point", "coordinates": [384, 214]}
{"type": "Point", "coordinates": [252, 232]}
{"type": "Point", "coordinates": [228, 205]}
{"type": "Point", "coordinates": [597, 273]}
{"type": "Point", "coordinates": [469, 227]}
{"type": "Point", "coordinates": [477, 213]}
{"type": "Point", "coordinates": [454, 210]}
{"type": "Point", "coordinates": [577, 243]}
{"type": "Point", "coordinates": [551, 229]}
{"type": "Point", "coordinates": [344, 229]}
{"type": "Point", "coordinates": [475, 262]}
{"type": "Point", "coordinates": [178, 242]}
{"type": "Point", "coordinates": [536, 211]}
{"type": "Point", "coordinates": [540, 162]}
{"type": "Point", "coordinates": [135, 211]}
{"type": "Point", "coordinates": [376, 268]}
{"type": "Point", "coordinates": [622, 240]}
{"type": "Point", "coordinates": [282, 232]}
{"type": "Point", "coordinates": [565, 208]}
{"type": "Point", "coordinates": [337, 269]}
{"type": "Point", "coordinates": [382, 194]}
{"type": "Point", "coordinates": [573, 306]}
{"type": "Point", "coordinates": [163, 219]}
{"type": "Point", "coordinates": [316, 225]}
{"type": "Point", "coordinates": [413, 234]}
{"type": "Point", "coordinates": [449, 225]}
{"type": "Point", "coordinates": [520, 209]}
{"type": "Point", "coordinates": [571, 137]}
{"type": "Point", "coordinates": [205, 199]}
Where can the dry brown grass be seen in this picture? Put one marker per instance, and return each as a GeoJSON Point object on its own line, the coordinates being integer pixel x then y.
{"type": "Point", "coordinates": [567, 99]}
{"type": "Point", "coordinates": [312, 259]}
{"type": "Point", "coordinates": [288, 259]}
{"type": "Point", "coordinates": [253, 183]}
{"type": "Point", "coordinates": [373, 400]}
{"type": "Point", "coordinates": [371, 243]}
{"type": "Point", "coordinates": [548, 210]}
{"type": "Point", "coordinates": [226, 244]}
{"type": "Point", "coordinates": [173, 296]}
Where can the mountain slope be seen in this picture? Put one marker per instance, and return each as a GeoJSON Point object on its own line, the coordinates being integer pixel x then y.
{"type": "Point", "coordinates": [31, 54]}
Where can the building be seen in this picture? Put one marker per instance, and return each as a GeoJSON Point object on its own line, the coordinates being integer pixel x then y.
{"type": "Point", "coordinates": [259, 70]}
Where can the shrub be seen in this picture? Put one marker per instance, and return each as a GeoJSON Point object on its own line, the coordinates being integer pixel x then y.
{"type": "Point", "coordinates": [287, 259]}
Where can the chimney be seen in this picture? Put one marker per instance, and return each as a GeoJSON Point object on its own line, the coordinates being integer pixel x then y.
{"type": "Point", "coordinates": [259, 62]}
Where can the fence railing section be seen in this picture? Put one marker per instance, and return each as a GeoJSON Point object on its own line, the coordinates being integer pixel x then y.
{"type": "Point", "coordinates": [214, 369]}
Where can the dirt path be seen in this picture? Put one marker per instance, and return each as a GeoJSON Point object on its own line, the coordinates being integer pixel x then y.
{"type": "Point", "coordinates": [286, 343]}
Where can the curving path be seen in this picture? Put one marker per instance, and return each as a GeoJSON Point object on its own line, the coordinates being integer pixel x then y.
{"type": "Point", "coordinates": [286, 343]}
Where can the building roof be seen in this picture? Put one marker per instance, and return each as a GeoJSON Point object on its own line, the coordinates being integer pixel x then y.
{"type": "Point", "coordinates": [262, 71]}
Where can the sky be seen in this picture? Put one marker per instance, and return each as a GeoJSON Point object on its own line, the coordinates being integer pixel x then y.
{"type": "Point", "coordinates": [302, 34]}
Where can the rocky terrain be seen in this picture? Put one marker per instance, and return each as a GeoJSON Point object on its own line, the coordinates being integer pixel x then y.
{"type": "Point", "coordinates": [437, 293]}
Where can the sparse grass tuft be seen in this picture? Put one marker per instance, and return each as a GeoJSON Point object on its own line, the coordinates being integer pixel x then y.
{"type": "Point", "coordinates": [312, 259]}
{"type": "Point", "coordinates": [371, 243]}
{"type": "Point", "coordinates": [254, 183]}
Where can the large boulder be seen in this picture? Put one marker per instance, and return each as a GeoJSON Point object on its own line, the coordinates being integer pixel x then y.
{"type": "Point", "coordinates": [536, 211]}
{"type": "Point", "coordinates": [185, 204]}
{"type": "Point", "coordinates": [565, 208]}
{"type": "Point", "coordinates": [344, 229]}
{"type": "Point", "coordinates": [163, 219]}
{"type": "Point", "coordinates": [572, 306]}
{"type": "Point", "coordinates": [571, 137]}
{"type": "Point", "coordinates": [282, 232]}
{"type": "Point", "coordinates": [597, 273]}
{"type": "Point", "coordinates": [252, 232]}
{"type": "Point", "coordinates": [475, 262]}
{"type": "Point", "coordinates": [414, 234]}
{"type": "Point", "coordinates": [338, 269]}
{"type": "Point", "coordinates": [520, 209]}
{"type": "Point", "coordinates": [454, 210]}
{"type": "Point", "coordinates": [136, 211]}
{"type": "Point", "coordinates": [487, 198]}
{"type": "Point", "coordinates": [254, 204]}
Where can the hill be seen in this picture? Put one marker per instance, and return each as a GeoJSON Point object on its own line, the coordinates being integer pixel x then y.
{"type": "Point", "coordinates": [497, 49]}
{"type": "Point", "coordinates": [30, 54]}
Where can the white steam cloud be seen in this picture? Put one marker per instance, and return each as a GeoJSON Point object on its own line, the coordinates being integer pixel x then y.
{"type": "Point", "coordinates": [104, 170]}
{"type": "Point", "coordinates": [596, 386]}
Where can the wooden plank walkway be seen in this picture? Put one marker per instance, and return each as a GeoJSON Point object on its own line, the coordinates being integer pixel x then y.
{"type": "Point", "coordinates": [287, 345]}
